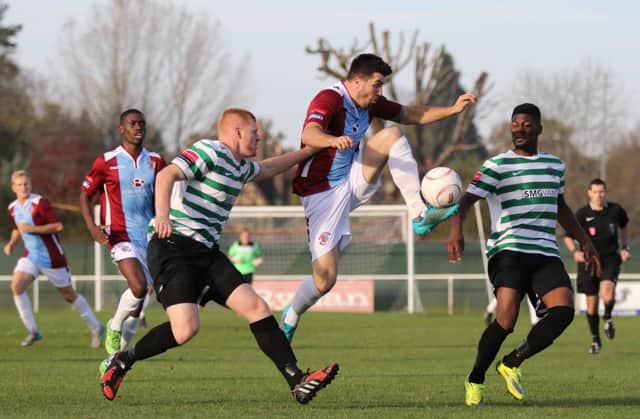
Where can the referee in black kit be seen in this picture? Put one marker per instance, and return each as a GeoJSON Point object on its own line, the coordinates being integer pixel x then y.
{"type": "Point", "coordinates": [606, 224]}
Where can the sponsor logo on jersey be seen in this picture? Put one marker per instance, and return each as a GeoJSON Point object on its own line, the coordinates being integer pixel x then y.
{"type": "Point", "coordinates": [538, 193]}
{"type": "Point", "coordinates": [315, 115]}
{"type": "Point", "coordinates": [137, 182]}
{"type": "Point", "coordinates": [190, 155]}
{"type": "Point", "coordinates": [476, 177]}
{"type": "Point", "coordinates": [323, 238]}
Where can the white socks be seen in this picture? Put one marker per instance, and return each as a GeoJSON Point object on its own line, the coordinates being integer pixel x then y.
{"type": "Point", "coordinates": [147, 301]}
{"type": "Point", "coordinates": [306, 296]}
{"type": "Point", "coordinates": [404, 171]}
{"type": "Point", "coordinates": [82, 306]}
{"type": "Point", "coordinates": [129, 328]}
{"type": "Point", "coordinates": [128, 303]}
{"type": "Point", "coordinates": [25, 311]}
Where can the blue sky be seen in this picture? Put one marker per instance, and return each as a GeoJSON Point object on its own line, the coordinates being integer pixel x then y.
{"type": "Point", "coordinates": [504, 38]}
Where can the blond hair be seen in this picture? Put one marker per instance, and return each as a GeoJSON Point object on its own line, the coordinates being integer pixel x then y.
{"type": "Point", "coordinates": [20, 173]}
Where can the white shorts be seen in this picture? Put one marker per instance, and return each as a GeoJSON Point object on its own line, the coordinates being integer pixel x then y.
{"type": "Point", "coordinates": [127, 250]}
{"type": "Point", "coordinates": [59, 277]}
{"type": "Point", "coordinates": [328, 212]}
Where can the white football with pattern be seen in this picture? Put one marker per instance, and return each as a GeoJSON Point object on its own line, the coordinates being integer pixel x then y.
{"type": "Point", "coordinates": [441, 187]}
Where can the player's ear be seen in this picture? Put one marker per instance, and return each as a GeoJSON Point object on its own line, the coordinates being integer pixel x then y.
{"type": "Point", "coordinates": [539, 128]}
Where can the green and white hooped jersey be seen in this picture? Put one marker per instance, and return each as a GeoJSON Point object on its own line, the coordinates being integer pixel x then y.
{"type": "Point", "coordinates": [522, 194]}
{"type": "Point", "coordinates": [200, 206]}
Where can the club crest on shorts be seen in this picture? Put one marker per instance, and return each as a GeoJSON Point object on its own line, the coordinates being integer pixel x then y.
{"type": "Point", "coordinates": [323, 238]}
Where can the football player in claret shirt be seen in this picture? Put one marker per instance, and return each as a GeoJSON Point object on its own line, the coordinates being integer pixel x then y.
{"type": "Point", "coordinates": [606, 224]}
{"type": "Point", "coordinates": [346, 172]}
{"type": "Point", "coordinates": [35, 221]}
{"type": "Point", "coordinates": [124, 179]}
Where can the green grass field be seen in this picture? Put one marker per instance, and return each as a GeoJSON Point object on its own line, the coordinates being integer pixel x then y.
{"type": "Point", "coordinates": [393, 365]}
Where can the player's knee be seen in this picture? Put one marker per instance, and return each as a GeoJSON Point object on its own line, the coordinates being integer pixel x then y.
{"type": "Point", "coordinates": [325, 283]}
{"type": "Point", "coordinates": [324, 278]}
{"type": "Point", "coordinates": [563, 315]}
{"type": "Point", "coordinates": [185, 332]}
{"type": "Point", "coordinates": [392, 133]}
{"type": "Point", "coordinates": [138, 290]}
{"type": "Point", "coordinates": [16, 288]}
{"type": "Point", "coordinates": [261, 309]}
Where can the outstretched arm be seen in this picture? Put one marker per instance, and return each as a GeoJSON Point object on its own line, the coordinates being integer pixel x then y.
{"type": "Point", "coordinates": [455, 242]}
{"type": "Point", "coordinates": [420, 115]}
{"type": "Point", "coordinates": [568, 221]}
{"type": "Point", "coordinates": [278, 164]}
{"type": "Point", "coordinates": [314, 136]}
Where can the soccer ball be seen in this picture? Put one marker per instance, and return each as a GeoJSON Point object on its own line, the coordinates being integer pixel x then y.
{"type": "Point", "coordinates": [441, 187]}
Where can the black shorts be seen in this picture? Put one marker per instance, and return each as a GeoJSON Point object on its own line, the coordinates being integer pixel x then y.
{"type": "Point", "coordinates": [590, 285]}
{"type": "Point", "coordinates": [186, 271]}
{"type": "Point", "coordinates": [527, 271]}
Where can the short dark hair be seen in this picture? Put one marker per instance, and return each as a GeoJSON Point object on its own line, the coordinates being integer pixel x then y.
{"type": "Point", "coordinates": [598, 181]}
{"type": "Point", "coordinates": [124, 114]}
{"type": "Point", "coordinates": [528, 109]}
{"type": "Point", "coordinates": [366, 65]}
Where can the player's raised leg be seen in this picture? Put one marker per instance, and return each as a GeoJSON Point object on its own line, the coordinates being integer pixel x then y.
{"type": "Point", "coordinates": [391, 146]}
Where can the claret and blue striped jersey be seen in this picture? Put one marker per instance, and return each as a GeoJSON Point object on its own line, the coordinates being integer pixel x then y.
{"type": "Point", "coordinates": [335, 111]}
{"type": "Point", "coordinates": [44, 250]}
{"type": "Point", "coordinates": [126, 188]}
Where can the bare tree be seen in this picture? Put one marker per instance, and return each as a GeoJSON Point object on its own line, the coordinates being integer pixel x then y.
{"type": "Point", "coordinates": [585, 98]}
{"type": "Point", "coordinates": [150, 54]}
{"type": "Point", "coordinates": [435, 80]}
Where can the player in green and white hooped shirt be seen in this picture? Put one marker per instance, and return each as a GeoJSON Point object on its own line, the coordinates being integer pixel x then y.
{"type": "Point", "coordinates": [524, 189]}
{"type": "Point", "coordinates": [194, 196]}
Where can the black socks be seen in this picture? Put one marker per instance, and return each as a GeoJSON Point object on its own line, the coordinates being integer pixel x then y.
{"type": "Point", "coordinates": [488, 348]}
{"type": "Point", "coordinates": [273, 343]}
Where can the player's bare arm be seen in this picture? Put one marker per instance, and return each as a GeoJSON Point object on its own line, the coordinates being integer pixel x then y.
{"type": "Point", "coordinates": [97, 232]}
{"type": "Point", "coordinates": [314, 136]}
{"type": "Point", "coordinates": [15, 236]}
{"type": "Point", "coordinates": [278, 164]}
{"type": "Point", "coordinates": [578, 255]}
{"type": "Point", "coordinates": [455, 242]}
{"type": "Point", "coordinates": [420, 115]}
{"type": "Point", "coordinates": [50, 228]}
{"type": "Point", "coordinates": [568, 221]}
{"type": "Point", "coordinates": [164, 184]}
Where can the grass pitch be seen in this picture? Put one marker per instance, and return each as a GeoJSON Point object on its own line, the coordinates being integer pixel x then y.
{"type": "Point", "coordinates": [393, 365]}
